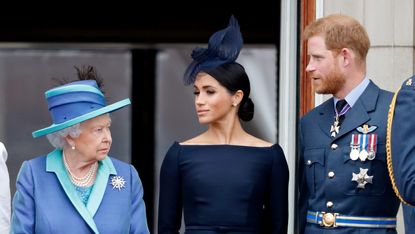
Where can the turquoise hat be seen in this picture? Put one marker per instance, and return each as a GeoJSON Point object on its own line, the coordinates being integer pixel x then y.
{"type": "Point", "coordinates": [76, 102]}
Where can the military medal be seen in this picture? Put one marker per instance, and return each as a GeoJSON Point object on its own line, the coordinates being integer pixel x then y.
{"type": "Point", "coordinates": [362, 178]}
{"type": "Point", "coordinates": [369, 142]}
{"type": "Point", "coordinates": [371, 155]}
{"type": "Point", "coordinates": [334, 129]}
{"type": "Point", "coordinates": [354, 154]}
{"type": "Point", "coordinates": [363, 153]}
{"type": "Point", "coordinates": [372, 146]}
{"type": "Point", "coordinates": [355, 145]}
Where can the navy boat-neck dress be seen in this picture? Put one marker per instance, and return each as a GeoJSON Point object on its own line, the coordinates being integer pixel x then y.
{"type": "Point", "coordinates": [223, 189]}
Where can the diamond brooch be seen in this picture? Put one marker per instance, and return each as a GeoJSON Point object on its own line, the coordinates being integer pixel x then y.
{"type": "Point", "coordinates": [117, 182]}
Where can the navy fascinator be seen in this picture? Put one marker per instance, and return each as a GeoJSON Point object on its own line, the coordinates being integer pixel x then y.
{"type": "Point", "coordinates": [224, 47]}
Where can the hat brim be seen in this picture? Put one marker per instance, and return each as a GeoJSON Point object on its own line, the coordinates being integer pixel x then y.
{"type": "Point", "coordinates": [56, 127]}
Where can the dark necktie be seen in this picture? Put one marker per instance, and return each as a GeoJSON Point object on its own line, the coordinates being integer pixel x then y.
{"type": "Point", "coordinates": [341, 108]}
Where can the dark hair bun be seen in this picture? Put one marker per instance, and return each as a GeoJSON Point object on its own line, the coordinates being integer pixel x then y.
{"type": "Point", "coordinates": [246, 110]}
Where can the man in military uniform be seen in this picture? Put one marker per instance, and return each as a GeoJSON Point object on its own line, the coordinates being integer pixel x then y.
{"type": "Point", "coordinates": [344, 183]}
{"type": "Point", "coordinates": [400, 148]}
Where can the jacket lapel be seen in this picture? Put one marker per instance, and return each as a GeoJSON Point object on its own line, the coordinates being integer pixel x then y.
{"type": "Point", "coordinates": [358, 114]}
{"type": "Point", "coordinates": [54, 164]}
{"type": "Point", "coordinates": [106, 169]}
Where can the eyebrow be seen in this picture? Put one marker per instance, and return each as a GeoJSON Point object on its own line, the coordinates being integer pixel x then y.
{"type": "Point", "coordinates": [204, 87]}
{"type": "Point", "coordinates": [104, 124]}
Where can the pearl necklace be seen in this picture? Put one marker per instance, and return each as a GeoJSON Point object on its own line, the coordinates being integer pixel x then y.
{"type": "Point", "coordinates": [81, 181]}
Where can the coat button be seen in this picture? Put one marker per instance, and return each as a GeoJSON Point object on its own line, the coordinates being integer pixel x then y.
{"type": "Point", "coordinates": [334, 146]}
{"type": "Point", "coordinates": [329, 204]}
{"type": "Point", "coordinates": [331, 174]}
{"type": "Point", "coordinates": [308, 162]}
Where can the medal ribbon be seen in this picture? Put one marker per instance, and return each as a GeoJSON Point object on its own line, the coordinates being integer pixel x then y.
{"type": "Point", "coordinates": [355, 141]}
{"type": "Point", "coordinates": [373, 142]}
{"type": "Point", "coordinates": [365, 142]}
{"type": "Point", "coordinates": [343, 110]}
{"type": "Point", "coordinates": [352, 142]}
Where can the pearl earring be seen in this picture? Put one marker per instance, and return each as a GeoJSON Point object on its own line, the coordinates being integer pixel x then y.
{"type": "Point", "coordinates": [73, 147]}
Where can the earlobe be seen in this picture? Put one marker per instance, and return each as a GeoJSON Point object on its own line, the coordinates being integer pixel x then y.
{"type": "Point", "coordinates": [70, 141]}
{"type": "Point", "coordinates": [237, 97]}
{"type": "Point", "coordinates": [347, 56]}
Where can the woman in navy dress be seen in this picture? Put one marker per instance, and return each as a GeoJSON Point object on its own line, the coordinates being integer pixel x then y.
{"type": "Point", "coordinates": [224, 180]}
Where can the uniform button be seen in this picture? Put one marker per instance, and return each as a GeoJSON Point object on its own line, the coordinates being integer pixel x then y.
{"type": "Point", "coordinates": [329, 204]}
{"type": "Point", "coordinates": [334, 146]}
{"type": "Point", "coordinates": [308, 162]}
{"type": "Point", "coordinates": [331, 174]}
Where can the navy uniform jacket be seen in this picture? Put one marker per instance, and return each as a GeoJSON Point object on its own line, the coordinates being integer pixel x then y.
{"type": "Point", "coordinates": [402, 148]}
{"type": "Point", "coordinates": [326, 168]}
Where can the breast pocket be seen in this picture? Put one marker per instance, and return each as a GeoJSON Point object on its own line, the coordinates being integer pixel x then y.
{"type": "Point", "coordinates": [314, 168]}
{"type": "Point", "coordinates": [376, 169]}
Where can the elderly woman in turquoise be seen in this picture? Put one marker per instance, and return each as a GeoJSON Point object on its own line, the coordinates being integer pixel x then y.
{"type": "Point", "coordinates": [78, 188]}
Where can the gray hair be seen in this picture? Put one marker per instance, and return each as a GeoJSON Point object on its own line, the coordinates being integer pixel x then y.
{"type": "Point", "coordinates": [57, 139]}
